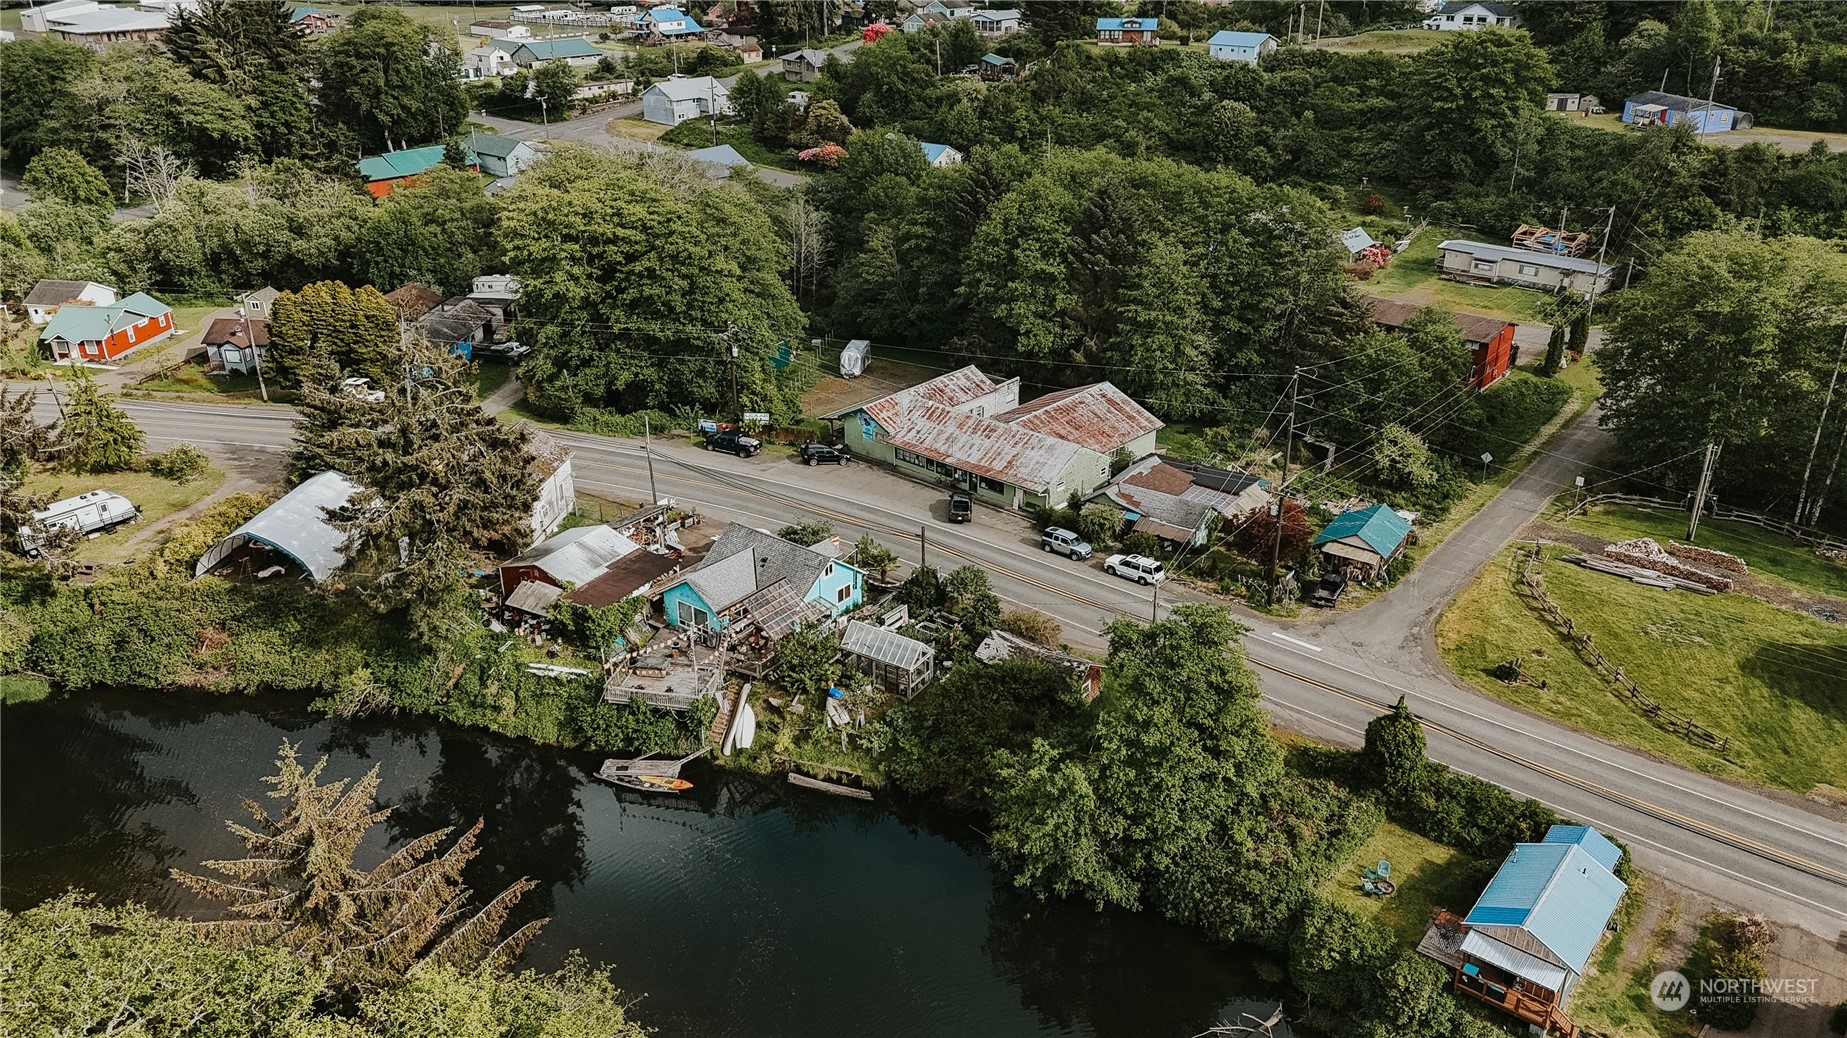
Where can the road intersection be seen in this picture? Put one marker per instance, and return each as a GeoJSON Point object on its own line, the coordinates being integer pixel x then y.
{"type": "Point", "coordinates": [1758, 850]}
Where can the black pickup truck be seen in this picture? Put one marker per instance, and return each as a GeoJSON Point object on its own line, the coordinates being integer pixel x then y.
{"type": "Point", "coordinates": [732, 441]}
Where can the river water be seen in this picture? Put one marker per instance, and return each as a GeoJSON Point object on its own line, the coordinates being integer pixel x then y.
{"type": "Point", "coordinates": [744, 907]}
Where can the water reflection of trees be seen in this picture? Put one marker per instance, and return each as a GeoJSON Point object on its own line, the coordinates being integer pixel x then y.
{"type": "Point", "coordinates": [1114, 974]}
{"type": "Point", "coordinates": [528, 799]}
{"type": "Point", "coordinates": [73, 782]}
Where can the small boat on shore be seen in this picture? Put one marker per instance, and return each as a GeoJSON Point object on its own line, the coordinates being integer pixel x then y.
{"type": "Point", "coordinates": [651, 783]}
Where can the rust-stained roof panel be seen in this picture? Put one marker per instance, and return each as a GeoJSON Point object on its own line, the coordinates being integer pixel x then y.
{"type": "Point", "coordinates": [951, 390]}
{"type": "Point", "coordinates": [983, 446]}
{"type": "Point", "coordinates": [1098, 416]}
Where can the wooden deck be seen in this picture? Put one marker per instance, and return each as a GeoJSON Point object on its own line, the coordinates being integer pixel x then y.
{"type": "Point", "coordinates": [666, 682]}
{"type": "Point", "coordinates": [1443, 942]}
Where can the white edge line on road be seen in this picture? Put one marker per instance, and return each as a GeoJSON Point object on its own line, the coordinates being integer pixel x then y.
{"type": "Point", "coordinates": [1295, 641]}
{"type": "Point", "coordinates": [1277, 705]}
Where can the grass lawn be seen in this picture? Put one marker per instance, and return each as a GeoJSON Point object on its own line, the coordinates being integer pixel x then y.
{"type": "Point", "coordinates": [1776, 137]}
{"type": "Point", "coordinates": [637, 129]}
{"type": "Point", "coordinates": [1614, 999]}
{"type": "Point", "coordinates": [193, 378]}
{"type": "Point", "coordinates": [156, 497]}
{"type": "Point", "coordinates": [1395, 41]}
{"type": "Point", "coordinates": [1428, 876]}
{"type": "Point", "coordinates": [1772, 557]}
{"type": "Point", "coordinates": [697, 133]}
{"type": "Point", "coordinates": [1767, 678]}
{"type": "Point", "coordinates": [1413, 273]}
{"type": "Point", "coordinates": [490, 377]}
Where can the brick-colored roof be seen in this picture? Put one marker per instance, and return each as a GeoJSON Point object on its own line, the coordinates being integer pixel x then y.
{"type": "Point", "coordinates": [1098, 416]}
{"type": "Point", "coordinates": [413, 301]}
{"type": "Point", "coordinates": [1393, 313]}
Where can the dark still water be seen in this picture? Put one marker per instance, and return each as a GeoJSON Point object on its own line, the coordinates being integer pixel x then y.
{"type": "Point", "coordinates": [744, 907]}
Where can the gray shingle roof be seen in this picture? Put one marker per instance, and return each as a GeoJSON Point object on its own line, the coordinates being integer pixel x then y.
{"type": "Point", "coordinates": [1483, 250]}
{"type": "Point", "coordinates": [745, 560]}
{"type": "Point", "coordinates": [51, 292]}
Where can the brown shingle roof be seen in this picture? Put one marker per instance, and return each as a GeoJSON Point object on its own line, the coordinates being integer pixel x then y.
{"type": "Point", "coordinates": [229, 331]}
{"type": "Point", "coordinates": [636, 570]}
{"type": "Point", "coordinates": [413, 301]}
{"type": "Point", "coordinates": [1393, 313]}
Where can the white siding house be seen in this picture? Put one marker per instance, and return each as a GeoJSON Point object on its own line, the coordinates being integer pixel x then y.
{"type": "Point", "coordinates": [1467, 16]}
{"type": "Point", "coordinates": [674, 100]}
{"type": "Point", "coordinates": [1247, 47]}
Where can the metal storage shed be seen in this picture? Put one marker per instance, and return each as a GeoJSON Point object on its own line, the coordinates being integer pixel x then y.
{"type": "Point", "coordinates": [853, 358]}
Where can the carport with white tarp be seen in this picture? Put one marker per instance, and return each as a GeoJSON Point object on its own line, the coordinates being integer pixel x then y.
{"type": "Point", "coordinates": [295, 528]}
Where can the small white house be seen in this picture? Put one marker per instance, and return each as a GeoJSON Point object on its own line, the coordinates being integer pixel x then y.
{"type": "Point", "coordinates": [997, 23]}
{"type": "Point", "coordinates": [499, 156]}
{"type": "Point", "coordinates": [676, 99]}
{"type": "Point", "coordinates": [499, 30]}
{"type": "Point", "coordinates": [1470, 15]}
{"type": "Point", "coordinates": [48, 295]}
{"type": "Point", "coordinates": [1246, 47]}
{"type": "Point", "coordinates": [486, 63]}
{"type": "Point", "coordinates": [942, 156]}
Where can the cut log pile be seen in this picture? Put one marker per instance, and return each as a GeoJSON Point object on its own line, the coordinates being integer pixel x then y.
{"type": "Point", "coordinates": [1645, 553]}
{"type": "Point", "coordinates": [1707, 557]}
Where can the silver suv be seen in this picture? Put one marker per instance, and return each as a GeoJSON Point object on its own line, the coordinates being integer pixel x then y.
{"type": "Point", "coordinates": [1139, 568]}
{"type": "Point", "coordinates": [1064, 542]}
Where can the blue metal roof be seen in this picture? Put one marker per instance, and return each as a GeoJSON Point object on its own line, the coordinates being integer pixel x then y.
{"type": "Point", "coordinates": [1227, 38]}
{"type": "Point", "coordinates": [1590, 840]}
{"type": "Point", "coordinates": [1557, 893]}
{"type": "Point", "coordinates": [1382, 529]}
{"type": "Point", "coordinates": [932, 152]}
{"type": "Point", "coordinates": [1106, 24]}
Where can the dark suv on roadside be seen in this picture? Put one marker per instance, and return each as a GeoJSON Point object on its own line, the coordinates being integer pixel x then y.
{"type": "Point", "coordinates": [960, 507]}
{"type": "Point", "coordinates": [735, 442]}
{"type": "Point", "coordinates": [824, 454]}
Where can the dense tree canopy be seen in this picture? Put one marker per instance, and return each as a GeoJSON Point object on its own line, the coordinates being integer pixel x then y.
{"type": "Point", "coordinates": [1735, 338]}
{"type": "Point", "coordinates": [389, 81]}
{"type": "Point", "coordinates": [633, 271]}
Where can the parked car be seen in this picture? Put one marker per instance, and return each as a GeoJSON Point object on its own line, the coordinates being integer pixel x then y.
{"type": "Point", "coordinates": [825, 454]}
{"type": "Point", "coordinates": [1064, 542]}
{"type": "Point", "coordinates": [961, 507]}
{"type": "Point", "coordinates": [507, 351]}
{"type": "Point", "coordinates": [361, 388]}
{"type": "Point", "coordinates": [1139, 568]}
{"type": "Point", "coordinates": [735, 442]}
{"type": "Point", "coordinates": [1328, 591]}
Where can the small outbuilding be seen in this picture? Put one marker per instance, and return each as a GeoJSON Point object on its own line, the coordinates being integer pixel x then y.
{"type": "Point", "coordinates": [48, 295]}
{"type": "Point", "coordinates": [897, 664]}
{"type": "Point", "coordinates": [293, 532]}
{"type": "Point", "coordinates": [572, 559]}
{"type": "Point", "coordinates": [997, 68]}
{"type": "Point", "coordinates": [500, 156]}
{"type": "Point", "coordinates": [1245, 47]}
{"type": "Point", "coordinates": [720, 160]}
{"type": "Point", "coordinates": [1367, 539]}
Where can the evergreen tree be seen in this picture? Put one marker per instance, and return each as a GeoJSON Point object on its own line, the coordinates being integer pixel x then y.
{"type": "Point", "coordinates": [441, 481]}
{"type": "Point", "coordinates": [301, 890]}
{"type": "Point", "coordinates": [236, 43]}
{"type": "Point", "coordinates": [96, 436]}
{"type": "Point", "coordinates": [1393, 756]}
{"type": "Point", "coordinates": [1555, 352]}
{"type": "Point", "coordinates": [356, 329]}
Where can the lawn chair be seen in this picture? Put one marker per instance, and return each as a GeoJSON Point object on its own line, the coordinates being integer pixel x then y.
{"type": "Point", "coordinates": [1383, 870]}
{"type": "Point", "coordinates": [1366, 885]}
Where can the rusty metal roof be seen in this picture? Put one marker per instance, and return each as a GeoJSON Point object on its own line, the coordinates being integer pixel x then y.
{"type": "Point", "coordinates": [984, 446]}
{"type": "Point", "coordinates": [954, 389]}
{"type": "Point", "coordinates": [1393, 313]}
{"type": "Point", "coordinates": [1097, 416]}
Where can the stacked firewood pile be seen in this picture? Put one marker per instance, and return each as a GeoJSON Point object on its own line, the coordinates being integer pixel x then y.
{"type": "Point", "coordinates": [1645, 552]}
{"type": "Point", "coordinates": [1708, 557]}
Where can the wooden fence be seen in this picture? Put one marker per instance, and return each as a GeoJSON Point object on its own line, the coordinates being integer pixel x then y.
{"type": "Point", "coordinates": [1678, 723]}
{"type": "Point", "coordinates": [1799, 534]}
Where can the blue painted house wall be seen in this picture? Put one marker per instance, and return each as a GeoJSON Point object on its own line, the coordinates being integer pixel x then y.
{"type": "Point", "coordinates": [682, 594]}
{"type": "Point", "coordinates": [839, 578]}
{"type": "Point", "coordinates": [827, 590]}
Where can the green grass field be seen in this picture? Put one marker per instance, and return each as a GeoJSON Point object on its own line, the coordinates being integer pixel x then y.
{"type": "Point", "coordinates": [1766, 677]}
{"type": "Point", "coordinates": [1396, 41]}
{"type": "Point", "coordinates": [1428, 876]}
{"type": "Point", "coordinates": [193, 378]}
{"type": "Point", "coordinates": [156, 497]}
{"type": "Point", "coordinates": [1413, 273]}
{"type": "Point", "coordinates": [1771, 556]}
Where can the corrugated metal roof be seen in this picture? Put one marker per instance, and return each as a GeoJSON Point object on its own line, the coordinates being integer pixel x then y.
{"type": "Point", "coordinates": [889, 647]}
{"type": "Point", "coordinates": [1483, 946]}
{"type": "Point", "coordinates": [87, 323]}
{"type": "Point", "coordinates": [1098, 416]}
{"type": "Point", "coordinates": [1379, 527]}
{"type": "Point", "coordinates": [1394, 313]}
{"type": "Point", "coordinates": [1153, 491]}
{"type": "Point", "coordinates": [629, 575]}
{"type": "Point", "coordinates": [954, 389]}
{"type": "Point", "coordinates": [1557, 893]}
{"type": "Point", "coordinates": [983, 446]}
{"type": "Point", "coordinates": [534, 596]}
{"type": "Point", "coordinates": [691, 88]}
{"type": "Point", "coordinates": [578, 555]}
{"type": "Point", "coordinates": [1483, 250]}
{"type": "Point", "coordinates": [406, 163]}
{"type": "Point", "coordinates": [1676, 102]}
{"type": "Point", "coordinates": [1590, 840]}
{"type": "Point", "coordinates": [1131, 24]}
{"type": "Point", "coordinates": [296, 526]}
{"type": "Point", "coordinates": [1228, 38]}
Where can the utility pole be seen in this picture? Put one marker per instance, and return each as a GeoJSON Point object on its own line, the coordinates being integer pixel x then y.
{"type": "Point", "coordinates": [647, 448]}
{"type": "Point", "coordinates": [1711, 93]}
{"type": "Point", "coordinates": [1154, 610]}
{"type": "Point", "coordinates": [1631, 273]}
{"type": "Point", "coordinates": [243, 313]}
{"type": "Point", "coordinates": [731, 331]}
{"type": "Point", "coordinates": [1320, 12]}
{"type": "Point", "coordinates": [1699, 496]}
{"type": "Point", "coordinates": [1597, 276]}
{"type": "Point", "coordinates": [1802, 497]}
{"type": "Point", "coordinates": [1282, 488]}
{"type": "Point", "coordinates": [923, 546]}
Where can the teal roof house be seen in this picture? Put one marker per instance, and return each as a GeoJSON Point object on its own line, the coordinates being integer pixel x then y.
{"type": "Point", "coordinates": [1366, 537]}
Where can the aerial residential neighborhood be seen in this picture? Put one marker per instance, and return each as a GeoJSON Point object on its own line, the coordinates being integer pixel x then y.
{"type": "Point", "coordinates": [783, 518]}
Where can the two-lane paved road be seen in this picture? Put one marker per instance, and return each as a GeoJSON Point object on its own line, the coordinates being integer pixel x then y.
{"type": "Point", "coordinates": [1739, 846]}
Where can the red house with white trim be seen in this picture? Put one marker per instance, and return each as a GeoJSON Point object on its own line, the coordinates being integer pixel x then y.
{"type": "Point", "coordinates": [102, 333]}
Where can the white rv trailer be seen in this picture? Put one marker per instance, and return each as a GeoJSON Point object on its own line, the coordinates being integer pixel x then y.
{"type": "Point", "coordinates": [94, 512]}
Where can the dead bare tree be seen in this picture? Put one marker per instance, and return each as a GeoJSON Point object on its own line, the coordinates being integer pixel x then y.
{"type": "Point", "coordinates": [807, 247]}
{"type": "Point", "coordinates": [152, 172]}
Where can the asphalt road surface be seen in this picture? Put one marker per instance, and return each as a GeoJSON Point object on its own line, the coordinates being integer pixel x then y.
{"type": "Point", "coordinates": [1759, 851]}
